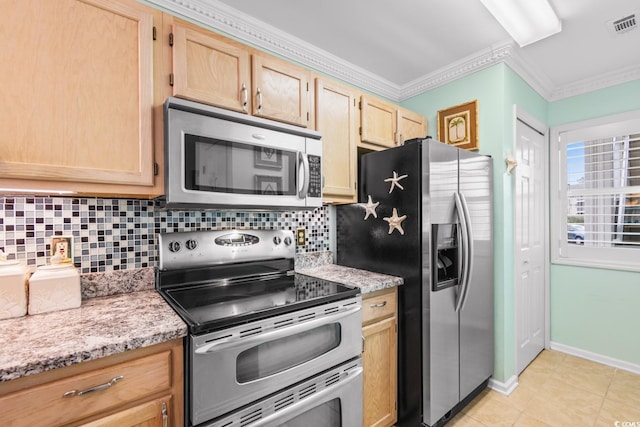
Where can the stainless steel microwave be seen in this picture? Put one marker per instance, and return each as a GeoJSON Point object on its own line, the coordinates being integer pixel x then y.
{"type": "Point", "coordinates": [220, 159]}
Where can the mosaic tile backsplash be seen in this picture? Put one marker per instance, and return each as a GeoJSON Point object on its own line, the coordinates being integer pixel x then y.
{"type": "Point", "coordinates": [118, 234]}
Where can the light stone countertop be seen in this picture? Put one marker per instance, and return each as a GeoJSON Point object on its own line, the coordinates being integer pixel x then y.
{"type": "Point", "coordinates": [100, 327]}
{"type": "Point", "coordinates": [367, 281]}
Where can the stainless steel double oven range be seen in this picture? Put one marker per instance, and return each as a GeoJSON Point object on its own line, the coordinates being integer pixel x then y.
{"type": "Point", "coordinates": [266, 346]}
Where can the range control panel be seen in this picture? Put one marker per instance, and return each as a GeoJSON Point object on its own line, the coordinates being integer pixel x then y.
{"type": "Point", "coordinates": [203, 248]}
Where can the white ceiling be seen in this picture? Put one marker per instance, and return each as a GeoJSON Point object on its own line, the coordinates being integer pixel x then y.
{"type": "Point", "coordinates": [401, 48]}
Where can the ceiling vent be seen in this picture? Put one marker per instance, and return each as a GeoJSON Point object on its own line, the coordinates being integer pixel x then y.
{"type": "Point", "coordinates": [623, 25]}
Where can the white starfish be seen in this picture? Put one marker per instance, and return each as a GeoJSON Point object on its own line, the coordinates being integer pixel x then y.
{"type": "Point", "coordinates": [370, 208]}
{"type": "Point", "coordinates": [395, 181]}
{"type": "Point", "coordinates": [395, 222]}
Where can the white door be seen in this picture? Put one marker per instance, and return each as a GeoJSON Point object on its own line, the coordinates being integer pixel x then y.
{"type": "Point", "coordinates": [530, 240]}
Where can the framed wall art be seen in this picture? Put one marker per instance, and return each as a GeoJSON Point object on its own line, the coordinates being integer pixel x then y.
{"type": "Point", "coordinates": [458, 125]}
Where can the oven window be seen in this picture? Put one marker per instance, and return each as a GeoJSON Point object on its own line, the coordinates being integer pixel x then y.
{"type": "Point", "coordinates": [279, 355]}
{"type": "Point", "coordinates": [215, 165]}
{"type": "Point", "coordinates": [326, 415]}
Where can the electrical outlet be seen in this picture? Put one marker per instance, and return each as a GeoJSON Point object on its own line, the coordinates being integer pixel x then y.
{"type": "Point", "coordinates": [301, 235]}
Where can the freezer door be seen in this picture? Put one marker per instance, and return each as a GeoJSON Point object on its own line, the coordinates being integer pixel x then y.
{"type": "Point", "coordinates": [439, 318]}
{"type": "Point", "coordinates": [476, 315]}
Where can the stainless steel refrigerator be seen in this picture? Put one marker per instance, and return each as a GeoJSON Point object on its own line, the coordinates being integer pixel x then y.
{"type": "Point", "coordinates": [425, 214]}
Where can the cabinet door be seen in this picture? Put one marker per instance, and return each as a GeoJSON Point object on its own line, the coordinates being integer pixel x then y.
{"type": "Point", "coordinates": [378, 123]}
{"type": "Point", "coordinates": [209, 70]}
{"type": "Point", "coordinates": [410, 125]}
{"type": "Point", "coordinates": [379, 364]}
{"type": "Point", "coordinates": [149, 414]}
{"type": "Point", "coordinates": [79, 92]}
{"type": "Point", "coordinates": [337, 121]}
{"type": "Point", "coordinates": [280, 90]}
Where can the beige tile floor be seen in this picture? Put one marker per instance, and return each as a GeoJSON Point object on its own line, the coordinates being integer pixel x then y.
{"type": "Point", "coordinates": [559, 390]}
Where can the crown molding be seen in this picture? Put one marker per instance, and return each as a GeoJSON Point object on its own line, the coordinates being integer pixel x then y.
{"type": "Point", "coordinates": [602, 81]}
{"type": "Point", "coordinates": [222, 18]}
{"type": "Point", "coordinates": [486, 58]}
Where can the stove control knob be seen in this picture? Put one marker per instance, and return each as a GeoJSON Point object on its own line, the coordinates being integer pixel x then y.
{"type": "Point", "coordinates": [287, 241]}
{"type": "Point", "coordinates": [191, 244]}
{"type": "Point", "coordinates": [277, 240]}
{"type": "Point", "coordinates": [174, 246]}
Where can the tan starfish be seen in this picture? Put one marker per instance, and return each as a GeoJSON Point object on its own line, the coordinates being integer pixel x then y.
{"type": "Point", "coordinates": [395, 222]}
{"type": "Point", "coordinates": [395, 181]}
{"type": "Point", "coordinates": [370, 208]}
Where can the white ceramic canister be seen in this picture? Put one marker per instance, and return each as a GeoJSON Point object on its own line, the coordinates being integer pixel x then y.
{"type": "Point", "coordinates": [13, 288]}
{"type": "Point", "coordinates": [54, 287]}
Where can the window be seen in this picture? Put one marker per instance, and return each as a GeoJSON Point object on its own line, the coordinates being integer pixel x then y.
{"type": "Point", "coordinates": [595, 197]}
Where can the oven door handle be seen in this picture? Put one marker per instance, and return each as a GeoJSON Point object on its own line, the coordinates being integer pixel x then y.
{"type": "Point", "coordinates": [308, 403]}
{"type": "Point", "coordinates": [278, 333]}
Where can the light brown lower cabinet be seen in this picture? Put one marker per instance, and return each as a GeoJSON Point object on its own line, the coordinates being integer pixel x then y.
{"type": "Point", "coordinates": [380, 358]}
{"type": "Point", "coordinates": [142, 387]}
{"type": "Point", "coordinates": [149, 414]}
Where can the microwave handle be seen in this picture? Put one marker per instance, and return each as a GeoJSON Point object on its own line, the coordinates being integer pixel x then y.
{"type": "Point", "coordinates": [303, 162]}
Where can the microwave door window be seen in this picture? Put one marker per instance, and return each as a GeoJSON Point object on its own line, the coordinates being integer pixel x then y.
{"type": "Point", "coordinates": [214, 165]}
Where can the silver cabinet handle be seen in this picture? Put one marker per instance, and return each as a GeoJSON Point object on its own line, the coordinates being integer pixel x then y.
{"type": "Point", "coordinates": [165, 415]}
{"type": "Point", "coordinates": [380, 304]}
{"type": "Point", "coordinates": [94, 388]}
{"type": "Point", "coordinates": [259, 95]}
{"type": "Point", "coordinates": [244, 97]}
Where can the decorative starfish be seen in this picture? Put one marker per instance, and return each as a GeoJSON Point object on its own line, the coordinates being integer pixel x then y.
{"type": "Point", "coordinates": [395, 222]}
{"type": "Point", "coordinates": [395, 181]}
{"type": "Point", "coordinates": [370, 208]}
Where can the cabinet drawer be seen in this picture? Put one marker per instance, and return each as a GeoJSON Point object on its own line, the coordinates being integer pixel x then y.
{"type": "Point", "coordinates": [378, 305]}
{"type": "Point", "coordinates": [46, 404]}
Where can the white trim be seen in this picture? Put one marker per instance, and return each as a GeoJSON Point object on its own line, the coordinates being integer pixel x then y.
{"type": "Point", "coordinates": [624, 259]}
{"type": "Point", "coordinates": [223, 18]}
{"type": "Point", "coordinates": [595, 357]}
{"type": "Point", "coordinates": [497, 53]}
{"type": "Point", "coordinates": [505, 388]}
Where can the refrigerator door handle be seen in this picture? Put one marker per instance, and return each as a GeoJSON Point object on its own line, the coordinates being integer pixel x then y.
{"type": "Point", "coordinates": [470, 247]}
{"type": "Point", "coordinates": [464, 265]}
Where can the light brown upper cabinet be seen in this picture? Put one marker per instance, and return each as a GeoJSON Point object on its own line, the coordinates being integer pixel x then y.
{"type": "Point", "coordinates": [385, 125]}
{"type": "Point", "coordinates": [410, 125]}
{"type": "Point", "coordinates": [280, 90]}
{"type": "Point", "coordinates": [79, 96]}
{"type": "Point", "coordinates": [208, 69]}
{"type": "Point", "coordinates": [377, 123]}
{"type": "Point", "coordinates": [337, 120]}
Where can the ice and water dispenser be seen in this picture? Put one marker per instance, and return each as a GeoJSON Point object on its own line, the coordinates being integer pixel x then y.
{"type": "Point", "coordinates": [445, 255]}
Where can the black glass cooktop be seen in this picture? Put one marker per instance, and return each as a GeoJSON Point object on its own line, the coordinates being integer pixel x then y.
{"type": "Point", "coordinates": [207, 307]}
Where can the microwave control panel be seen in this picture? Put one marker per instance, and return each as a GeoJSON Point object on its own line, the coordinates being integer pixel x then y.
{"type": "Point", "coordinates": [315, 176]}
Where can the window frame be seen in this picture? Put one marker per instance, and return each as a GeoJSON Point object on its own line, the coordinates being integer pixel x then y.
{"type": "Point", "coordinates": [616, 258]}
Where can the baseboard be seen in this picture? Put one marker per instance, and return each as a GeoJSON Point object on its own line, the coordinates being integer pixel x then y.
{"type": "Point", "coordinates": [595, 357]}
{"type": "Point", "coordinates": [505, 388]}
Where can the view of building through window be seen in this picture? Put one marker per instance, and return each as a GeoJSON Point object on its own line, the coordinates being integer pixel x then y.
{"type": "Point", "coordinates": [603, 191]}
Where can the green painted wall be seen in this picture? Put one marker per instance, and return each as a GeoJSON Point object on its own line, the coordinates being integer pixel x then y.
{"type": "Point", "coordinates": [591, 309]}
{"type": "Point", "coordinates": [496, 88]}
{"type": "Point", "coordinates": [594, 309]}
